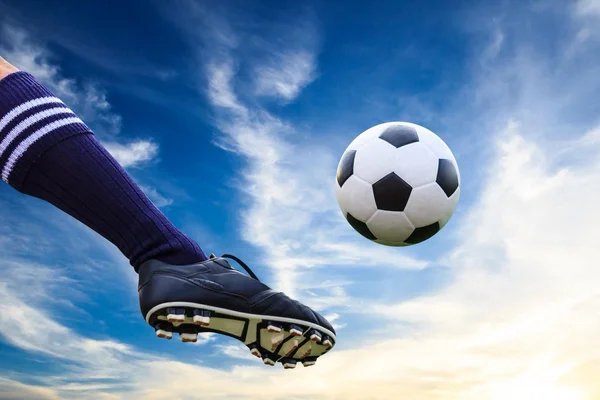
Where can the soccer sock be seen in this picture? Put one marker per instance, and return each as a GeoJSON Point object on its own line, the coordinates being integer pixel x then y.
{"type": "Point", "coordinates": [47, 152]}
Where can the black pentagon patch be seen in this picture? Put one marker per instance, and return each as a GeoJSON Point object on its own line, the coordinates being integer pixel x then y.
{"type": "Point", "coordinates": [391, 193]}
{"type": "Point", "coordinates": [400, 135]}
{"type": "Point", "coordinates": [346, 167]}
{"type": "Point", "coordinates": [360, 227]}
{"type": "Point", "coordinates": [421, 234]}
{"type": "Point", "coordinates": [447, 176]}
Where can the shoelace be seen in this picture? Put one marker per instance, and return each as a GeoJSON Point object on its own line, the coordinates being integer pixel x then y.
{"type": "Point", "coordinates": [243, 264]}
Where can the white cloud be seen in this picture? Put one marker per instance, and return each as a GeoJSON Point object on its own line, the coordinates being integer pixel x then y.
{"type": "Point", "coordinates": [586, 14]}
{"type": "Point", "coordinates": [158, 199]}
{"type": "Point", "coordinates": [588, 8]}
{"type": "Point", "coordinates": [219, 89]}
{"type": "Point", "coordinates": [332, 318]}
{"type": "Point", "coordinates": [285, 58]}
{"type": "Point", "coordinates": [14, 390]}
{"type": "Point", "coordinates": [132, 154]}
{"type": "Point", "coordinates": [286, 74]}
{"type": "Point", "coordinates": [238, 351]}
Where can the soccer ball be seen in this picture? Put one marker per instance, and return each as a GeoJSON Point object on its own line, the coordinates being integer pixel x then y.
{"type": "Point", "coordinates": [398, 184]}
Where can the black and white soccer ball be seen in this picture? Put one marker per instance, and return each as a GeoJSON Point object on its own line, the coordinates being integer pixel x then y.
{"type": "Point", "coordinates": [398, 184]}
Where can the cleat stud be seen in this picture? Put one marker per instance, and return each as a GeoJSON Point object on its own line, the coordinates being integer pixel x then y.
{"type": "Point", "coordinates": [189, 337]}
{"type": "Point", "coordinates": [162, 332]}
{"type": "Point", "coordinates": [268, 359]}
{"type": "Point", "coordinates": [175, 315]}
{"type": "Point", "coordinates": [201, 317]}
{"type": "Point", "coordinates": [276, 340]}
{"type": "Point", "coordinates": [255, 353]}
{"type": "Point", "coordinates": [274, 327]}
{"type": "Point", "coordinates": [295, 344]}
{"type": "Point", "coordinates": [306, 354]}
{"type": "Point", "coordinates": [315, 336]}
{"type": "Point", "coordinates": [327, 342]}
{"type": "Point", "coordinates": [295, 330]}
{"type": "Point", "coordinates": [309, 361]}
{"type": "Point", "coordinates": [288, 363]}
{"type": "Point", "coordinates": [254, 350]}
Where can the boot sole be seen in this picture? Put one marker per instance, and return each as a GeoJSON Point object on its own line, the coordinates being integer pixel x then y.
{"type": "Point", "coordinates": [273, 339]}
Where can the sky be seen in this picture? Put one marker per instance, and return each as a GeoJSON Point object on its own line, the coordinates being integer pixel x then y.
{"type": "Point", "coordinates": [232, 117]}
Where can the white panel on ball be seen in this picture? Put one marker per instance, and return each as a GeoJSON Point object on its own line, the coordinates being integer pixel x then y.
{"type": "Point", "coordinates": [428, 204]}
{"type": "Point", "coordinates": [356, 197]}
{"type": "Point", "coordinates": [390, 227]}
{"type": "Point", "coordinates": [435, 143]}
{"type": "Point", "coordinates": [416, 164]}
{"type": "Point", "coordinates": [452, 203]}
{"type": "Point", "coordinates": [338, 195]}
{"type": "Point", "coordinates": [374, 160]}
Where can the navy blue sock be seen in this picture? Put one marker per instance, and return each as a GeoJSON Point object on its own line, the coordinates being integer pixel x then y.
{"type": "Point", "coordinates": [49, 153]}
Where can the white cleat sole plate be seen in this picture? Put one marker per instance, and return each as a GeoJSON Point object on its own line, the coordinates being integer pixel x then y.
{"type": "Point", "coordinates": [251, 329]}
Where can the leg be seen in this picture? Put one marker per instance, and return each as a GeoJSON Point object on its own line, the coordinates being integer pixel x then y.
{"type": "Point", "coordinates": [49, 153]}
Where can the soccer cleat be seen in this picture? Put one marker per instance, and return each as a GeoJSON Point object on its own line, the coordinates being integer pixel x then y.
{"type": "Point", "coordinates": [212, 296]}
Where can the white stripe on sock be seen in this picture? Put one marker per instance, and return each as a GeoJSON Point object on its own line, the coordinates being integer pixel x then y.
{"type": "Point", "coordinates": [31, 139]}
{"type": "Point", "coordinates": [12, 114]}
{"type": "Point", "coordinates": [26, 123]}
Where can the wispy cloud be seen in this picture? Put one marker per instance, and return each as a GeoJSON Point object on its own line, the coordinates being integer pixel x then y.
{"type": "Point", "coordinates": [238, 351]}
{"type": "Point", "coordinates": [158, 199]}
{"type": "Point", "coordinates": [132, 154]}
{"type": "Point", "coordinates": [588, 8]}
{"type": "Point", "coordinates": [286, 58]}
{"type": "Point", "coordinates": [286, 74]}
{"type": "Point", "coordinates": [15, 390]}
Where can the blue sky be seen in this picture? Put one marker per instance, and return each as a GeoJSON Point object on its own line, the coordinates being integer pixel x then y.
{"type": "Point", "coordinates": [232, 117]}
